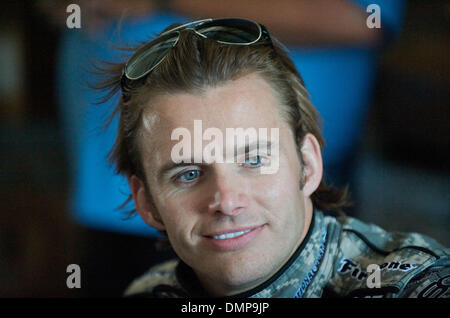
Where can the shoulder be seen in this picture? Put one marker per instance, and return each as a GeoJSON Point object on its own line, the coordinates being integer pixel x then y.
{"type": "Point", "coordinates": [159, 275]}
{"type": "Point", "coordinates": [378, 240]}
{"type": "Point", "coordinates": [373, 262]}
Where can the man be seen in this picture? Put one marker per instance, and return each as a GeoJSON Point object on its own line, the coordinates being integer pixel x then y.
{"type": "Point", "coordinates": [222, 150]}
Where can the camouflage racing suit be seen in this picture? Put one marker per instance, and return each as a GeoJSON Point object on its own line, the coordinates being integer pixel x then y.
{"type": "Point", "coordinates": [339, 257]}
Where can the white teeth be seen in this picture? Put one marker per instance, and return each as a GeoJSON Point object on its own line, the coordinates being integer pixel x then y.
{"type": "Point", "coordinates": [230, 235]}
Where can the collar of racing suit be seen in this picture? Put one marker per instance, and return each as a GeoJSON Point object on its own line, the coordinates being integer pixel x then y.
{"type": "Point", "coordinates": [290, 281]}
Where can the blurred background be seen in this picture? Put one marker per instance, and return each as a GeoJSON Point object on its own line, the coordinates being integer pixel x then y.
{"type": "Point", "coordinates": [58, 200]}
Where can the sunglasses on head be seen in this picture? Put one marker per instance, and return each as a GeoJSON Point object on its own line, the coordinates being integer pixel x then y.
{"type": "Point", "coordinates": [226, 31]}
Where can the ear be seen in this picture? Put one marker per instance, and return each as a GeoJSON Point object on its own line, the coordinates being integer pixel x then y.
{"type": "Point", "coordinates": [144, 205]}
{"type": "Point", "coordinates": [312, 159]}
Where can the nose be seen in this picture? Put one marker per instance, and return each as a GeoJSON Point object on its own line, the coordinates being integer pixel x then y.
{"type": "Point", "coordinates": [229, 194]}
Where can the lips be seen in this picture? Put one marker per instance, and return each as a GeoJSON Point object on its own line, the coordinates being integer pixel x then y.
{"type": "Point", "coordinates": [230, 232]}
{"type": "Point", "coordinates": [230, 235]}
{"type": "Point", "coordinates": [233, 239]}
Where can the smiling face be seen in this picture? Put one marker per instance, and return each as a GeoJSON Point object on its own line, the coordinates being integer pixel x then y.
{"type": "Point", "coordinates": [234, 226]}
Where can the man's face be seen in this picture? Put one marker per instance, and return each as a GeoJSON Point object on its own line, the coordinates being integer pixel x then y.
{"type": "Point", "coordinates": [197, 203]}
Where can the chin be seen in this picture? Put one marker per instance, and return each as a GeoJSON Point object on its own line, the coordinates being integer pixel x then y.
{"type": "Point", "coordinates": [241, 275]}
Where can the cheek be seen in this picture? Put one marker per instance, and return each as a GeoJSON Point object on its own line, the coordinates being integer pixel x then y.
{"type": "Point", "coordinates": [281, 187]}
{"type": "Point", "coordinates": [280, 196]}
{"type": "Point", "coordinates": [177, 214]}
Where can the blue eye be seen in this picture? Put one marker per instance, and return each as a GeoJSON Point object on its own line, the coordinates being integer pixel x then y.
{"type": "Point", "coordinates": [189, 176]}
{"type": "Point", "coordinates": [253, 161]}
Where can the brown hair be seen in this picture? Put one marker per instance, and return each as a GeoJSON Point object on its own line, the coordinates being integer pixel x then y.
{"type": "Point", "coordinates": [196, 64]}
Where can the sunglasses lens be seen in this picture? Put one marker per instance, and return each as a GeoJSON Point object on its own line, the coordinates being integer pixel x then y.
{"type": "Point", "coordinates": [227, 31]}
{"type": "Point", "coordinates": [147, 58]}
{"type": "Point", "coordinates": [231, 31]}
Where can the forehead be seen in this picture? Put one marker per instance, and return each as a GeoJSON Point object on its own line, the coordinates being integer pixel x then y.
{"type": "Point", "coordinates": [247, 102]}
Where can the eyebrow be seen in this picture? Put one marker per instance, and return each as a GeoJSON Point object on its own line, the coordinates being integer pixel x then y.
{"type": "Point", "coordinates": [254, 145]}
{"type": "Point", "coordinates": [170, 165]}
